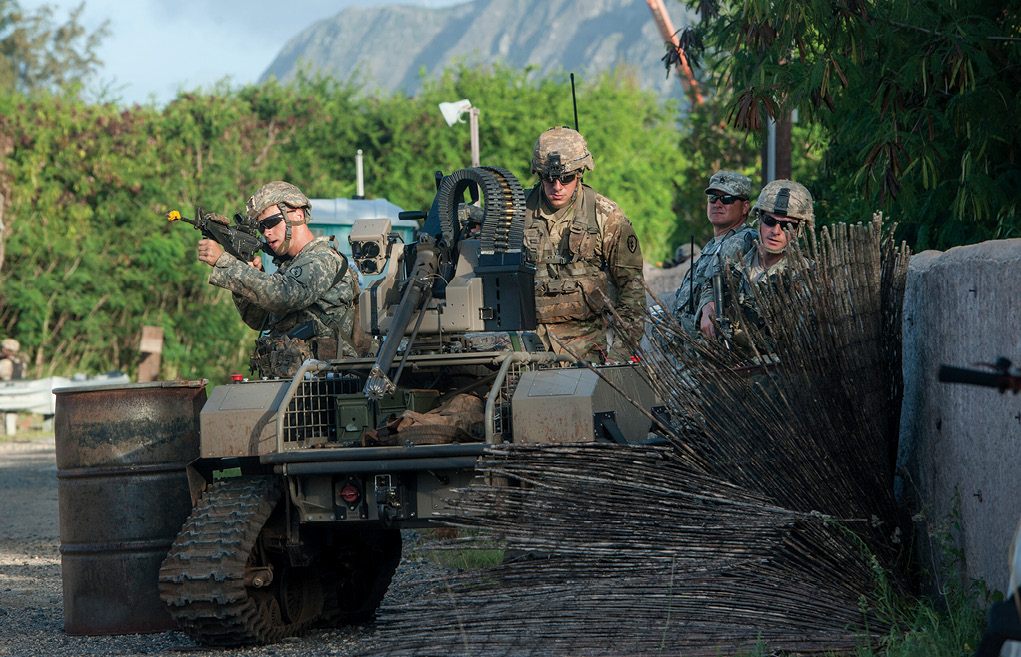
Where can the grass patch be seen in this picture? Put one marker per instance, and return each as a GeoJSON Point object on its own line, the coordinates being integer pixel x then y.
{"type": "Point", "coordinates": [949, 623]}
{"type": "Point", "coordinates": [924, 630]}
{"type": "Point", "coordinates": [456, 549]}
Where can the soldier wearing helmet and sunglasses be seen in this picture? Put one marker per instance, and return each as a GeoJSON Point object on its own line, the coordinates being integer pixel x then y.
{"type": "Point", "coordinates": [585, 251]}
{"type": "Point", "coordinates": [783, 210]}
{"type": "Point", "coordinates": [727, 201]}
{"type": "Point", "coordinates": [307, 307]}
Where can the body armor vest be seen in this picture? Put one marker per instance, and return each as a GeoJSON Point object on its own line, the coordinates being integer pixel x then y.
{"type": "Point", "coordinates": [568, 275]}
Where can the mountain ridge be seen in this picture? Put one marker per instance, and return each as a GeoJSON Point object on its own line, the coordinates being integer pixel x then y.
{"type": "Point", "coordinates": [383, 49]}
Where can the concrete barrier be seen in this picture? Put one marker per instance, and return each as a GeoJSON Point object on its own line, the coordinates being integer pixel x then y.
{"type": "Point", "coordinates": [962, 307]}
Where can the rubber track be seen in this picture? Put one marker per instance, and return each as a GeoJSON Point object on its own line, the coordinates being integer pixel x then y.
{"type": "Point", "coordinates": [202, 579]}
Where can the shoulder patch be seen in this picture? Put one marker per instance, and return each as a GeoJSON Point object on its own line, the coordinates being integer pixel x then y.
{"type": "Point", "coordinates": [632, 242]}
{"type": "Point", "coordinates": [294, 272]}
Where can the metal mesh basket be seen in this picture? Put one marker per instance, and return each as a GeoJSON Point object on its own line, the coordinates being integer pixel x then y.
{"type": "Point", "coordinates": [311, 416]}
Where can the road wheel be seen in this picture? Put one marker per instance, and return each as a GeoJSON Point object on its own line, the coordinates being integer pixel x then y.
{"type": "Point", "coordinates": [357, 572]}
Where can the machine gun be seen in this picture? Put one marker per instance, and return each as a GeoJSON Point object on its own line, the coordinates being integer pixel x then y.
{"type": "Point", "coordinates": [999, 376]}
{"type": "Point", "coordinates": [240, 239]}
{"type": "Point", "coordinates": [457, 287]}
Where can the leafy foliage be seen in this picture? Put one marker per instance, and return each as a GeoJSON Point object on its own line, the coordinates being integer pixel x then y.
{"type": "Point", "coordinates": [908, 94]}
{"type": "Point", "coordinates": [37, 55]}
{"type": "Point", "coordinates": [90, 258]}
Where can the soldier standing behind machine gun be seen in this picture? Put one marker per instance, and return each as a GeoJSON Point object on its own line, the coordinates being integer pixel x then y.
{"type": "Point", "coordinates": [308, 305]}
{"type": "Point", "coordinates": [783, 210]}
{"type": "Point", "coordinates": [585, 251]}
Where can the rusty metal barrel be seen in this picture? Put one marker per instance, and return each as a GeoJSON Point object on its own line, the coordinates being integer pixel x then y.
{"type": "Point", "coordinates": [122, 453]}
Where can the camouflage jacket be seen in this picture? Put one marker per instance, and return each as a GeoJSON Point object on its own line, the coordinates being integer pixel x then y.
{"type": "Point", "coordinates": [314, 286]}
{"type": "Point", "coordinates": [753, 273]}
{"type": "Point", "coordinates": [586, 248]}
{"type": "Point", "coordinates": [729, 248]}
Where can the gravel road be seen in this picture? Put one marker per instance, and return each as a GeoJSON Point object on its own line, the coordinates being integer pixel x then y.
{"type": "Point", "coordinates": [31, 604]}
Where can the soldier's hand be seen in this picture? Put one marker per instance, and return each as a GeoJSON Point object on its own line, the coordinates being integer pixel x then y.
{"type": "Point", "coordinates": [257, 262]}
{"type": "Point", "coordinates": [209, 251]}
{"type": "Point", "coordinates": [706, 322]}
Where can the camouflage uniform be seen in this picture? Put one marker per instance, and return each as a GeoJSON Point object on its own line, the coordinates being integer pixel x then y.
{"type": "Point", "coordinates": [781, 198]}
{"type": "Point", "coordinates": [315, 287]}
{"type": "Point", "coordinates": [727, 248]}
{"type": "Point", "coordinates": [588, 245]}
{"type": "Point", "coordinates": [730, 248]}
{"type": "Point", "coordinates": [754, 274]}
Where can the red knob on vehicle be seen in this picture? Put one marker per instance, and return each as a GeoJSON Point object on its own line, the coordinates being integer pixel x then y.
{"type": "Point", "coordinates": [350, 493]}
{"type": "Point", "coordinates": [235, 378]}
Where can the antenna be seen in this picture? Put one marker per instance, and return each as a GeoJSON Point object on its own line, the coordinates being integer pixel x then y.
{"type": "Point", "coordinates": [574, 100]}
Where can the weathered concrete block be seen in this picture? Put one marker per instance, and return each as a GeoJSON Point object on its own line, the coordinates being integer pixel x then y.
{"type": "Point", "coordinates": [963, 307]}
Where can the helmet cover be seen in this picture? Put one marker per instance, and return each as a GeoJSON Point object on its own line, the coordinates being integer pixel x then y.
{"type": "Point", "coordinates": [277, 193]}
{"type": "Point", "coordinates": [559, 151]}
{"type": "Point", "coordinates": [786, 198]}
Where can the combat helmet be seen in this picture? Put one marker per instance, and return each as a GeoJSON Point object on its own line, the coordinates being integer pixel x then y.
{"type": "Point", "coordinates": [559, 151]}
{"type": "Point", "coordinates": [786, 198]}
{"type": "Point", "coordinates": [284, 196]}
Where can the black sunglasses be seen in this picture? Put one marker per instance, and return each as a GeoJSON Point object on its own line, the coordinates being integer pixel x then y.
{"type": "Point", "coordinates": [270, 221]}
{"type": "Point", "coordinates": [564, 178]}
{"type": "Point", "coordinates": [726, 199]}
{"type": "Point", "coordinates": [773, 221]}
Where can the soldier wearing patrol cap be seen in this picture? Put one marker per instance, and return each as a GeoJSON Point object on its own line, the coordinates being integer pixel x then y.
{"type": "Point", "coordinates": [307, 307]}
{"type": "Point", "coordinates": [585, 251]}
{"type": "Point", "coordinates": [727, 202]}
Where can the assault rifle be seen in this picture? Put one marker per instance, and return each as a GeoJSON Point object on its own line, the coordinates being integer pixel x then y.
{"type": "Point", "coordinates": [1001, 376]}
{"type": "Point", "coordinates": [240, 239]}
{"type": "Point", "coordinates": [726, 330]}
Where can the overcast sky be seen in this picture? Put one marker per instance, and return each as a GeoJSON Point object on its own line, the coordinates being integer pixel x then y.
{"type": "Point", "coordinates": [157, 47]}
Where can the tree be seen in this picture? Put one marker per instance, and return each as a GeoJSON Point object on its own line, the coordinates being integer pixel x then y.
{"type": "Point", "coordinates": [913, 98]}
{"type": "Point", "coordinates": [35, 56]}
{"type": "Point", "coordinates": [91, 257]}
{"type": "Point", "coordinates": [38, 55]}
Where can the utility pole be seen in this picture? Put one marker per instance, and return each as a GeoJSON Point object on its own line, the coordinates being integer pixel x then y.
{"type": "Point", "coordinates": [776, 151]}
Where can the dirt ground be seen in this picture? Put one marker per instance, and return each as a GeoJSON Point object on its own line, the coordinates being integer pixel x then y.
{"type": "Point", "coordinates": [31, 590]}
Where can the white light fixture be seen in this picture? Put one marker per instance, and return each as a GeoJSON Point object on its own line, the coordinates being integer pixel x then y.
{"type": "Point", "coordinates": [452, 114]}
{"type": "Point", "coordinates": [452, 111]}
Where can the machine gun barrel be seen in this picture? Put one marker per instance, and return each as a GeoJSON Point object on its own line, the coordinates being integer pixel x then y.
{"type": "Point", "coordinates": [416, 296]}
{"type": "Point", "coordinates": [1000, 377]}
